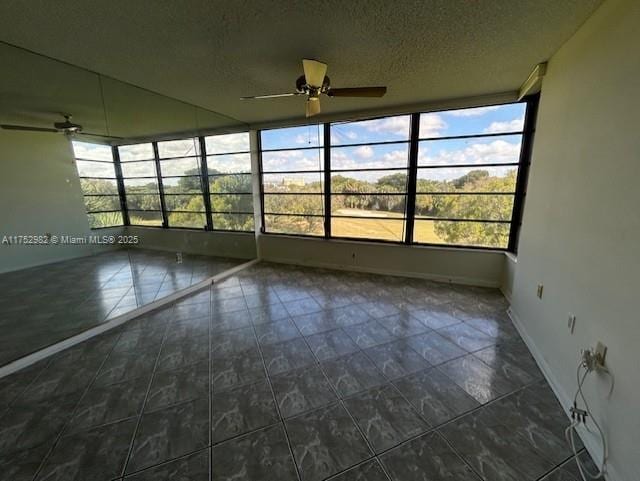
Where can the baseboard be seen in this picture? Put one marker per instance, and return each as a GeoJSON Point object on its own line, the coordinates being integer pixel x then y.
{"type": "Point", "coordinates": [461, 280]}
{"type": "Point", "coordinates": [593, 447]}
{"type": "Point", "coordinates": [117, 321]}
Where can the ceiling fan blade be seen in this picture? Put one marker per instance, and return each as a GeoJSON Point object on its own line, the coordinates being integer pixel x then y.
{"type": "Point", "coordinates": [358, 92]}
{"type": "Point", "coordinates": [312, 106]}
{"type": "Point", "coordinates": [27, 128]}
{"type": "Point", "coordinates": [314, 72]}
{"type": "Point", "coordinates": [100, 135]}
{"type": "Point", "coordinates": [270, 96]}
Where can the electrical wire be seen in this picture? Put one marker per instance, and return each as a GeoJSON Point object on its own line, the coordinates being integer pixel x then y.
{"type": "Point", "coordinates": [571, 430]}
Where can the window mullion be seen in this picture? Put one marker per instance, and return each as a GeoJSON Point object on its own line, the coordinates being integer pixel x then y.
{"type": "Point", "coordinates": [204, 173]}
{"type": "Point", "coordinates": [120, 183]}
{"type": "Point", "coordinates": [327, 179]}
{"type": "Point", "coordinates": [163, 207]}
{"type": "Point", "coordinates": [413, 177]}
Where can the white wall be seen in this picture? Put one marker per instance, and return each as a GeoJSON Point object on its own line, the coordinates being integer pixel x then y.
{"type": "Point", "coordinates": [581, 226]}
{"type": "Point", "coordinates": [462, 266]}
{"type": "Point", "coordinates": [39, 193]}
{"type": "Point", "coordinates": [238, 245]}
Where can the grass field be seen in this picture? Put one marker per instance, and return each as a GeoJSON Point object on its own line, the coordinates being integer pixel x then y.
{"type": "Point", "coordinates": [390, 228]}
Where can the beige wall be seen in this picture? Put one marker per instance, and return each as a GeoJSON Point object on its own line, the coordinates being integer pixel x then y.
{"type": "Point", "coordinates": [581, 226]}
{"type": "Point", "coordinates": [39, 193]}
{"type": "Point", "coordinates": [463, 266]}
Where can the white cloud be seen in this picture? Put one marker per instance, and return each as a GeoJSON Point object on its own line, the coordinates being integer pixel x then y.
{"type": "Point", "coordinates": [392, 125]}
{"type": "Point", "coordinates": [364, 152]}
{"type": "Point", "coordinates": [227, 143]}
{"type": "Point", "coordinates": [508, 126]}
{"type": "Point", "coordinates": [472, 112]}
{"type": "Point", "coordinates": [494, 152]}
{"type": "Point", "coordinates": [85, 150]}
{"type": "Point", "coordinates": [431, 125]}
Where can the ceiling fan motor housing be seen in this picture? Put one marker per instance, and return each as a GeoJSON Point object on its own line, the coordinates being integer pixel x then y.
{"type": "Point", "coordinates": [304, 88]}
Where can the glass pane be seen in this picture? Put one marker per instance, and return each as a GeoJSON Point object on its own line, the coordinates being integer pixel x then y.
{"type": "Point", "coordinates": [294, 204]}
{"type": "Point", "coordinates": [182, 166]}
{"type": "Point", "coordinates": [370, 157]}
{"type": "Point", "coordinates": [232, 203]}
{"type": "Point", "coordinates": [145, 218]}
{"type": "Point", "coordinates": [233, 222]}
{"type": "Point", "coordinates": [476, 207]}
{"type": "Point", "coordinates": [105, 219]}
{"type": "Point", "coordinates": [369, 181]}
{"type": "Point", "coordinates": [192, 203]}
{"type": "Point", "coordinates": [286, 224]}
{"type": "Point", "coordinates": [292, 137]}
{"type": "Point", "coordinates": [467, 179]}
{"type": "Point", "coordinates": [182, 185]}
{"type": "Point", "coordinates": [227, 143]}
{"type": "Point", "coordinates": [99, 203]}
{"type": "Point", "coordinates": [387, 129]}
{"type": "Point", "coordinates": [287, 160]}
{"type": "Point", "coordinates": [187, 219]}
{"type": "Point", "coordinates": [229, 164]}
{"type": "Point", "coordinates": [143, 202]}
{"type": "Point", "coordinates": [179, 148]}
{"type": "Point", "coordinates": [368, 205]}
{"type": "Point", "coordinates": [84, 150]}
{"type": "Point", "coordinates": [479, 120]}
{"type": "Point", "coordinates": [383, 229]}
{"type": "Point", "coordinates": [99, 186]}
{"type": "Point", "coordinates": [140, 186]}
{"type": "Point", "coordinates": [300, 183]}
{"type": "Point", "coordinates": [135, 152]}
{"type": "Point", "coordinates": [233, 183]}
{"type": "Point", "coordinates": [481, 234]}
{"type": "Point", "coordinates": [484, 150]}
{"type": "Point", "coordinates": [139, 169]}
{"type": "Point", "coordinates": [95, 169]}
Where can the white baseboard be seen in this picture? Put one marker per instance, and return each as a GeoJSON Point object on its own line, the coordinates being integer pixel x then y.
{"type": "Point", "coordinates": [591, 444]}
{"type": "Point", "coordinates": [117, 321]}
{"type": "Point", "coordinates": [467, 281]}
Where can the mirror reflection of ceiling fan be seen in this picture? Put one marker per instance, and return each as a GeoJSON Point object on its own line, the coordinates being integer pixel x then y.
{"type": "Point", "coordinates": [67, 127]}
{"type": "Point", "coordinates": [315, 82]}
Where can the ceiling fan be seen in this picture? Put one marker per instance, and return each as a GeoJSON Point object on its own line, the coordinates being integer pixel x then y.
{"type": "Point", "coordinates": [67, 127]}
{"type": "Point", "coordinates": [315, 82]}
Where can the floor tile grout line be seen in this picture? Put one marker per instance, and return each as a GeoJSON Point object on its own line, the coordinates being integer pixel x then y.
{"type": "Point", "coordinates": [562, 464]}
{"type": "Point", "coordinates": [146, 396]}
{"type": "Point", "coordinates": [340, 402]}
{"type": "Point", "coordinates": [462, 458]}
{"type": "Point", "coordinates": [73, 412]}
{"type": "Point", "coordinates": [275, 399]}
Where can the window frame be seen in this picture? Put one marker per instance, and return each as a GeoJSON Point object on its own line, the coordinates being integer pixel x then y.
{"type": "Point", "coordinates": [524, 160]}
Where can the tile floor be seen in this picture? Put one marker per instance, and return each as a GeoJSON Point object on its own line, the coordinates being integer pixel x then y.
{"type": "Point", "coordinates": [285, 373]}
{"type": "Point", "coordinates": [46, 304]}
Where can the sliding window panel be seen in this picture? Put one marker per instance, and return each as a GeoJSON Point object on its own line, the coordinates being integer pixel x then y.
{"type": "Point", "coordinates": [387, 156]}
{"type": "Point", "coordinates": [190, 220]}
{"type": "Point", "coordinates": [462, 233]}
{"type": "Point", "coordinates": [308, 160]}
{"type": "Point", "coordinates": [105, 219]}
{"type": "Point", "coordinates": [229, 164]}
{"type": "Point", "coordinates": [307, 137]}
{"type": "Point", "coordinates": [503, 149]}
{"type": "Point", "coordinates": [99, 186]}
{"type": "Point", "coordinates": [233, 222]}
{"type": "Point", "coordinates": [227, 143]}
{"type": "Point", "coordinates": [101, 203]}
{"type": "Point", "coordinates": [465, 206]}
{"type": "Point", "coordinates": [89, 168]}
{"type": "Point", "coordinates": [308, 225]}
{"type": "Point", "coordinates": [467, 179]}
{"type": "Point", "coordinates": [385, 129]}
{"type": "Point", "coordinates": [136, 152]}
{"type": "Point", "coordinates": [486, 120]}
{"type": "Point", "coordinates": [179, 148]}
{"type": "Point", "coordinates": [147, 218]}
{"type": "Point", "coordinates": [139, 169]}
{"type": "Point", "coordinates": [87, 151]}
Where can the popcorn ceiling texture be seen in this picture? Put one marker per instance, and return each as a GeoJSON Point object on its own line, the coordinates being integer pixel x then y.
{"type": "Point", "coordinates": [209, 53]}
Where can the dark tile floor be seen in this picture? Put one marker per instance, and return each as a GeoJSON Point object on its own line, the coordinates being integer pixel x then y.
{"type": "Point", "coordinates": [46, 304]}
{"type": "Point", "coordinates": [285, 373]}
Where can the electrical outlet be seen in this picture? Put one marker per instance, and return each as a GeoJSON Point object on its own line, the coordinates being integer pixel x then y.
{"type": "Point", "coordinates": [571, 323]}
{"type": "Point", "coordinates": [601, 353]}
{"type": "Point", "coordinates": [539, 291]}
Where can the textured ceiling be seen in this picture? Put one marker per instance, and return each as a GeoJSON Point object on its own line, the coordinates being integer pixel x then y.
{"type": "Point", "coordinates": [209, 53]}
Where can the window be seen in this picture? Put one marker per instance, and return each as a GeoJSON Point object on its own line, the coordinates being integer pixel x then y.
{"type": "Point", "coordinates": [98, 183]}
{"type": "Point", "coordinates": [450, 178]}
{"type": "Point", "coordinates": [229, 177]}
{"type": "Point", "coordinates": [369, 174]}
{"type": "Point", "coordinates": [140, 180]}
{"type": "Point", "coordinates": [292, 168]}
{"type": "Point", "coordinates": [181, 174]}
{"type": "Point", "coordinates": [466, 175]}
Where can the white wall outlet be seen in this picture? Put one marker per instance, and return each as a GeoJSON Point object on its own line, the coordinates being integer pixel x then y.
{"type": "Point", "coordinates": [539, 291]}
{"type": "Point", "coordinates": [571, 323]}
{"type": "Point", "coordinates": [179, 257]}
